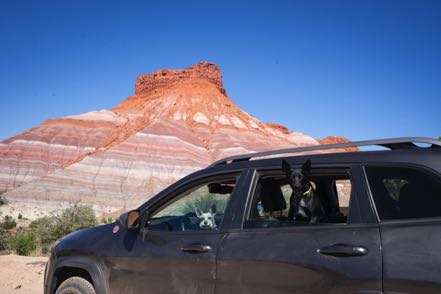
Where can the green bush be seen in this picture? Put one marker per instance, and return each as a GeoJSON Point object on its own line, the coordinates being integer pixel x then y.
{"type": "Point", "coordinates": [205, 203]}
{"type": "Point", "coordinates": [8, 223]}
{"type": "Point", "coordinates": [19, 216]}
{"type": "Point", "coordinates": [5, 236]}
{"type": "Point", "coordinates": [23, 243]}
{"type": "Point", "coordinates": [49, 229]}
{"type": "Point", "coordinates": [75, 218]}
{"type": "Point", "coordinates": [106, 220]}
{"type": "Point", "coordinates": [44, 229]}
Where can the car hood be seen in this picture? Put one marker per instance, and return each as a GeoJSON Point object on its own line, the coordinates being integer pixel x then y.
{"type": "Point", "coordinates": [87, 241]}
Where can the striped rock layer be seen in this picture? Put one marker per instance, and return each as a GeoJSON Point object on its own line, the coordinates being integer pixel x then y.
{"type": "Point", "coordinates": [177, 122]}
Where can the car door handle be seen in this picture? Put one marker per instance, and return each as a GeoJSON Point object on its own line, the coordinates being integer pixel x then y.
{"type": "Point", "coordinates": [196, 248]}
{"type": "Point", "coordinates": [343, 250]}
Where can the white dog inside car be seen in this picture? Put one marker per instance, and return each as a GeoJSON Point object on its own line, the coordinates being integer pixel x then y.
{"type": "Point", "coordinates": [207, 218]}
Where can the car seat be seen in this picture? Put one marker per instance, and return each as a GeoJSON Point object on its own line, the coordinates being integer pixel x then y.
{"type": "Point", "coordinates": [271, 196]}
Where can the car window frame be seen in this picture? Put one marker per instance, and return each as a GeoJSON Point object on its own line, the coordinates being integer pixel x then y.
{"type": "Point", "coordinates": [361, 212]}
{"type": "Point", "coordinates": [416, 166]}
{"type": "Point", "coordinates": [187, 184]}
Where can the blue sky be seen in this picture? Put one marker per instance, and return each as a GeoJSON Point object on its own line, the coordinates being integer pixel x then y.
{"type": "Point", "coordinates": [359, 69]}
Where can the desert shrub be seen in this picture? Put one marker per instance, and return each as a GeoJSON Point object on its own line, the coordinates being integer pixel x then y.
{"type": "Point", "coordinates": [205, 203]}
{"type": "Point", "coordinates": [75, 218]}
{"type": "Point", "coordinates": [45, 232]}
{"type": "Point", "coordinates": [23, 243]}
{"type": "Point", "coordinates": [5, 236]}
{"type": "Point", "coordinates": [8, 223]}
{"type": "Point", "coordinates": [19, 216]}
{"type": "Point", "coordinates": [48, 229]}
{"type": "Point", "coordinates": [3, 200]}
{"type": "Point", "coordinates": [106, 220]}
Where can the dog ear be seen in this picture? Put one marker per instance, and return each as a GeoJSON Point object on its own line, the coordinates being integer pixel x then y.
{"type": "Point", "coordinates": [306, 167]}
{"type": "Point", "coordinates": [286, 167]}
{"type": "Point", "coordinates": [198, 212]}
{"type": "Point", "coordinates": [213, 209]}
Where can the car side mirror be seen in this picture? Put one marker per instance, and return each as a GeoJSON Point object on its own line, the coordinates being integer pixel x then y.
{"type": "Point", "coordinates": [130, 220]}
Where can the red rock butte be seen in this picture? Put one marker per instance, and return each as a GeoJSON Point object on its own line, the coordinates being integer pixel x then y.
{"type": "Point", "coordinates": [166, 77]}
{"type": "Point", "coordinates": [178, 121]}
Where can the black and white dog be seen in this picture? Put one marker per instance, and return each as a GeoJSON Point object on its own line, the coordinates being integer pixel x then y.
{"type": "Point", "coordinates": [305, 202]}
{"type": "Point", "coordinates": [207, 220]}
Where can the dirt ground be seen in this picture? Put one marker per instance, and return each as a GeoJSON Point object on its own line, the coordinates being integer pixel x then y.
{"type": "Point", "coordinates": [21, 274]}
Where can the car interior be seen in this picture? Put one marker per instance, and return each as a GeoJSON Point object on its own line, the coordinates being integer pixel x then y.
{"type": "Point", "coordinates": [272, 194]}
{"type": "Point", "coordinates": [269, 208]}
{"type": "Point", "coordinates": [209, 200]}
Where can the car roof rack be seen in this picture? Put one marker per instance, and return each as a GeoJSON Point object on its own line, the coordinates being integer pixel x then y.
{"type": "Point", "coordinates": [392, 144]}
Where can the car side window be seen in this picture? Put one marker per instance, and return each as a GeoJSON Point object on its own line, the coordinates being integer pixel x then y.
{"type": "Point", "coordinates": [276, 204]}
{"type": "Point", "coordinates": [404, 192]}
{"type": "Point", "coordinates": [200, 208]}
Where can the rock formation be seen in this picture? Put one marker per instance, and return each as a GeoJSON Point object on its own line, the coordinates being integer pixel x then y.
{"type": "Point", "coordinates": [178, 121]}
{"type": "Point", "coordinates": [338, 140]}
{"type": "Point", "coordinates": [53, 145]}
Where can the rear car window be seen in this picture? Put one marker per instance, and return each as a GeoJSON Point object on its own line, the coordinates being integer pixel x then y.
{"type": "Point", "coordinates": [404, 192]}
{"type": "Point", "coordinates": [272, 200]}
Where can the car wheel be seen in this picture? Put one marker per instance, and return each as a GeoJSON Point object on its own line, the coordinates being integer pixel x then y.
{"type": "Point", "coordinates": [76, 285]}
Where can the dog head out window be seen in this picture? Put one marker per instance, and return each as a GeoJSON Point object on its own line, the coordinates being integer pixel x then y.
{"type": "Point", "coordinates": [290, 198]}
{"type": "Point", "coordinates": [201, 208]}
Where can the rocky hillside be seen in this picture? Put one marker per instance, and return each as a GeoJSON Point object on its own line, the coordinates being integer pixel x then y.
{"type": "Point", "coordinates": [177, 121]}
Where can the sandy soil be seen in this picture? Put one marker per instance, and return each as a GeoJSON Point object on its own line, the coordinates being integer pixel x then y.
{"type": "Point", "coordinates": [21, 274]}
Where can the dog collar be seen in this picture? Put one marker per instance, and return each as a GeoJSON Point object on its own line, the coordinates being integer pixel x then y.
{"type": "Point", "coordinates": [311, 188]}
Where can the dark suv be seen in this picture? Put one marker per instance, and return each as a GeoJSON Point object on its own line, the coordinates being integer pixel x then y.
{"type": "Point", "coordinates": [229, 228]}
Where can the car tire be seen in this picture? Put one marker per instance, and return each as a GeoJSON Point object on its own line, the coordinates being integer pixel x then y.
{"type": "Point", "coordinates": [75, 285]}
